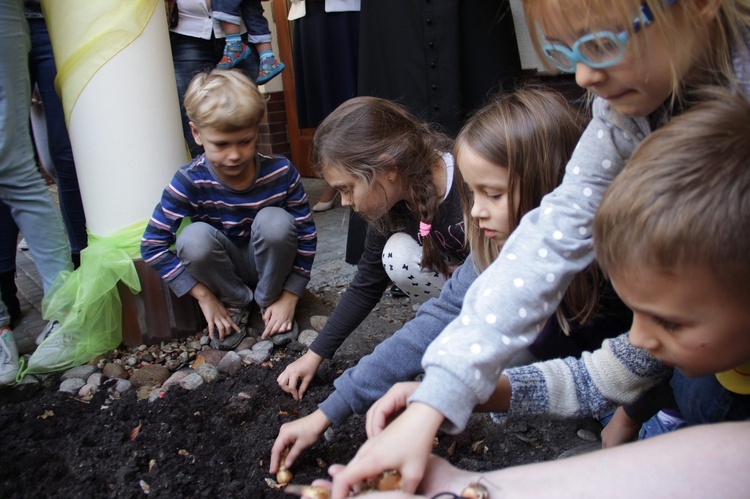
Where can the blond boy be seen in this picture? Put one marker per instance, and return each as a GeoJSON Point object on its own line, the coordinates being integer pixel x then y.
{"type": "Point", "coordinates": [252, 236]}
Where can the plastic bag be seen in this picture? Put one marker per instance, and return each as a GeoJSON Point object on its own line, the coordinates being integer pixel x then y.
{"type": "Point", "coordinates": [87, 304]}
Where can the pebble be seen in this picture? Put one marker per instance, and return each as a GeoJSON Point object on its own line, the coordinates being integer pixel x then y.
{"type": "Point", "coordinates": [587, 435]}
{"type": "Point", "coordinates": [206, 371]}
{"type": "Point", "coordinates": [256, 357]}
{"type": "Point", "coordinates": [123, 386]}
{"type": "Point", "coordinates": [87, 390]}
{"type": "Point", "coordinates": [230, 364]}
{"type": "Point", "coordinates": [82, 372]}
{"type": "Point", "coordinates": [95, 379]}
{"type": "Point", "coordinates": [191, 381]}
{"type": "Point", "coordinates": [114, 370]}
{"type": "Point", "coordinates": [154, 375]}
{"type": "Point", "coordinates": [307, 336]}
{"type": "Point", "coordinates": [71, 385]}
{"type": "Point", "coordinates": [318, 321]}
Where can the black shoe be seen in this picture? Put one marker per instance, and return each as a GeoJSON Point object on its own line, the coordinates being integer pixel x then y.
{"type": "Point", "coordinates": [8, 292]}
{"type": "Point", "coordinates": [396, 292]}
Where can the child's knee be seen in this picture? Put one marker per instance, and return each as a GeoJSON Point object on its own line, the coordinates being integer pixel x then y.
{"type": "Point", "coordinates": [274, 226]}
{"type": "Point", "coordinates": [195, 242]}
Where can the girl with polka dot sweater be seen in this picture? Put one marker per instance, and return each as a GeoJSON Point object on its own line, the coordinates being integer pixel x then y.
{"type": "Point", "coordinates": [640, 60]}
{"type": "Point", "coordinates": [539, 131]}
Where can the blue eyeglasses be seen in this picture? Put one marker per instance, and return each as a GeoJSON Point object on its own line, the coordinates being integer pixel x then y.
{"type": "Point", "coordinates": [598, 50]}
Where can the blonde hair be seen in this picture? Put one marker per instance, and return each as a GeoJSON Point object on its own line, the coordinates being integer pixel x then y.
{"type": "Point", "coordinates": [713, 66]}
{"type": "Point", "coordinates": [226, 100]}
{"type": "Point", "coordinates": [684, 197]}
{"type": "Point", "coordinates": [531, 132]}
{"type": "Point", "coordinates": [366, 136]}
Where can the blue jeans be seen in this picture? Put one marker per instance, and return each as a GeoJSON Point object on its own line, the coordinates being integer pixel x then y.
{"type": "Point", "coordinates": [43, 72]}
{"type": "Point", "coordinates": [251, 12]}
{"type": "Point", "coordinates": [704, 400]}
{"type": "Point", "coordinates": [21, 185]}
{"type": "Point", "coordinates": [191, 56]}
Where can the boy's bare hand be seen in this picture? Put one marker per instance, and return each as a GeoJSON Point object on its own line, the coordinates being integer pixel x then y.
{"type": "Point", "coordinates": [300, 372]}
{"type": "Point", "coordinates": [621, 429]}
{"type": "Point", "coordinates": [297, 436]}
{"type": "Point", "coordinates": [218, 318]}
{"type": "Point", "coordinates": [279, 316]}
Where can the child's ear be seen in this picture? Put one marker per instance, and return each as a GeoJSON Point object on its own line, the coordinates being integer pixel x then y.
{"type": "Point", "coordinates": [392, 170]}
{"type": "Point", "coordinates": [196, 133]}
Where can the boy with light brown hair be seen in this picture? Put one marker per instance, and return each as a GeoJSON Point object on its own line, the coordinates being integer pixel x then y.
{"type": "Point", "coordinates": [252, 236]}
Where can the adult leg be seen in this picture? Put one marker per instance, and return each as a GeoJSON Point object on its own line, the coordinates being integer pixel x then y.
{"type": "Point", "coordinates": [8, 290]}
{"type": "Point", "coordinates": [271, 253]}
{"type": "Point", "coordinates": [214, 260]}
{"type": "Point", "coordinates": [190, 56]}
{"type": "Point", "coordinates": [43, 73]}
{"type": "Point", "coordinates": [21, 185]}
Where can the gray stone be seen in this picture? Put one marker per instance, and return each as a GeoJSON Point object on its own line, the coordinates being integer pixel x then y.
{"type": "Point", "coordinates": [154, 375]}
{"type": "Point", "coordinates": [208, 372]}
{"type": "Point", "coordinates": [205, 340]}
{"type": "Point", "coordinates": [95, 379]}
{"type": "Point", "coordinates": [318, 321]}
{"type": "Point", "coordinates": [587, 435]}
{"type": "Point", "coordinates": [191, 381]}
{"type": "Point", "coordinates": [29, 379]}
{"type": "Point", "coordinates": [131, 360]}
{"type": "Point", "coordinates": [264, 345]}
{"type": "Point", "coordinates": [246, 344]}
{"type": "Point", "coordinates": [307, 336]}
{"type": "Point", "coordinates": [230, 364]}
{"type": "Point", "coordinates": [71, 385]}
{"type": "Point", "coordinates": [157, 394]}
{"type": "Point", "coordinates": [123, 385]}
{"type": "Point", "coordinates": [257, 357]}
{"type": "Point", "coordinates": [177, 377]}
{"type": "Point", "coordinates": [82, 372]}
{"type": "Point", "coordinates": [195, 345]}
{"type": "Point", "coordinates": [144, 392]}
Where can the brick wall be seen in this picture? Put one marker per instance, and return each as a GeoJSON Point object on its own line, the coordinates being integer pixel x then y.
{"type": "Point", "coordinates": [273, 131]}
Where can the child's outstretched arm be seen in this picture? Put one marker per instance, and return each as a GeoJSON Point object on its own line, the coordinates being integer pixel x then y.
{"type": "Point", "coordinates": [509, 303]}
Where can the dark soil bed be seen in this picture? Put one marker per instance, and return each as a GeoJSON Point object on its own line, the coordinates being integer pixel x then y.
{"type": "Point", "coordinates": [212, 442]}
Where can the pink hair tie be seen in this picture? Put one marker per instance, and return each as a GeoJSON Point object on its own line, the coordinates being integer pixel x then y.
{"type": "Point", "coordinates": [424, 229]}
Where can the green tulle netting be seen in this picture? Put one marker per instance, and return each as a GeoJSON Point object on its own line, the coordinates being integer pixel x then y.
{"type": "Point", "coordinates": [87, 304]}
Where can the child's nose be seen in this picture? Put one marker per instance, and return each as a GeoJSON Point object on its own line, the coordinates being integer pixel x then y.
{"type": "Point", "coordinates": [478, 210]}
{"type": "Point", "coordinates": [640, 335]}
{"type": "Point", "coordinates": [587, 77]}
{"type": "Point", "coordinates": [346, 199]}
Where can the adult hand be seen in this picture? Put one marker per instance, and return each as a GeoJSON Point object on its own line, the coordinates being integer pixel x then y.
{"type": "Point", "coordinates": [388, 407]}
{"type": "Point", "coordinates": [417, 426]}
{"type": "Point", "coordinates": [279, 316]}
{"type": "Point", "coordinates": [297, 376]}
{"type": "Point", "coordinates": [218, 318]}
{"type": "Point", "coordinates": [297, 436]}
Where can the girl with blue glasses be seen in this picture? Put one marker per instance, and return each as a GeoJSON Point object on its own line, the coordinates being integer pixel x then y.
{"type": "Point", "coordinates": [674, 47]}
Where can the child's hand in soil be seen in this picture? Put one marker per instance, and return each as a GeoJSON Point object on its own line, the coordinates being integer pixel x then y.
{"type": "Point", "coordinates": [621, 429]}
{"type": "Point", "coordinates": [218, 318]}
{"type": "Point", "coordinates": [299, 435]}
{"type": "Point", "coordinates": [279, 316]}
{"type": "Point", "coordinates": [418, 426]}
{"type": "Point", "coordinates": [300, 372]}
{"type": "Point", "coordinates": [388, 407]}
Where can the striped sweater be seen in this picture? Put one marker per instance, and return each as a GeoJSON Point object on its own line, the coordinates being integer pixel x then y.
{"type": "Point", "coordinates": [196, 193]}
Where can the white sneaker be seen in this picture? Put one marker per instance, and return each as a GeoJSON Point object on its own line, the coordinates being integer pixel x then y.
{"type": "Point", "coordinates": [8, 357]}
{"type": "Point", "coordinates": [50, 328]}
{"type": "Point", "coordinates": [22, 245]}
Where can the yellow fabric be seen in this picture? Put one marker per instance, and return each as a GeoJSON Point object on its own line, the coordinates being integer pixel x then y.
{"type": "Point", "coordinates": [86, 34]}
{"type": "Point", "coordinates": [736, 380]}
{"type": "Point", "coordinates": [87, 304]}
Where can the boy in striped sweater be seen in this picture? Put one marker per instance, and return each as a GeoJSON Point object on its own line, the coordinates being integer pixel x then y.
{"type": "Point", "coordinates": [252, 236]}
